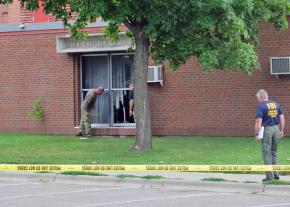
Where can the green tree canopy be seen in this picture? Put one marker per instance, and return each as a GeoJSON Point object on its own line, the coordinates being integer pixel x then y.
{"type": "Point", "coordinates": [222, 34]}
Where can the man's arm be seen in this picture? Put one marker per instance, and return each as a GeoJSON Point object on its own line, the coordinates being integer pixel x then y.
{"type": "Point", "coordinates": [258, 124]}
{"type": "Point", "coordinates": [282, 125]}
{"type": "Point", "coordinates": [85, 106]}
{"type": "Point", "coordinates": [131, 104]}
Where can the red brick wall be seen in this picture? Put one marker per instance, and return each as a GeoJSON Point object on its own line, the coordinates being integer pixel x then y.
{"type": "Point", "coordinates": [31, 68]}
{"type": "Point", "coordinates": [3, 14]}
{"type": "Point", "coordinates": [10, 13]}
{"type": "Point", "coordinates": [26, 16]}
{"type": "Point", "coordinates": [13, 13]}
{"type": "Point", "coordinates": [190, 103]}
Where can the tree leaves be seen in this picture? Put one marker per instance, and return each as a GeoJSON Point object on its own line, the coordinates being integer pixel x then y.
{"type": "Point", "coordinates": [6, 1]}
{"type": "Point", "coordinates": [112, 31]}
{"type": "Point", "coordinates": [222, 34]}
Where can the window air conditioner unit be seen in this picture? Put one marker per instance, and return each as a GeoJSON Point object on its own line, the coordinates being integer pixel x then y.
{"type": "Point", "coordinates": [280, 65]}
{"type": "Point", "coordinates": [155, 75]}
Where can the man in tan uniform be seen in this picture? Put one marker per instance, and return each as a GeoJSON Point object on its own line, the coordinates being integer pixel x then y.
{"type": "Point", "coordinates": [86, 107]}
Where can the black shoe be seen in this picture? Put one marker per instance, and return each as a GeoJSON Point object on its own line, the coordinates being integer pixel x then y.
{"type": "Point", "coordinates": [266, 180]}
{"type": "Point", "coordinates": [276, 177]}
{"type": "Point", "coordinates": [79, 135]}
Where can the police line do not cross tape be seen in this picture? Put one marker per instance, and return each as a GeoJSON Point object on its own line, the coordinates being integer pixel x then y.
{"type": "Point", "coordinates": [148, 168]}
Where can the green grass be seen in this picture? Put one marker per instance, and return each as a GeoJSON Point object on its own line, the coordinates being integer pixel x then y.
{"type": "Point", "coordinates": [223, 180]}
{"type": "Point", "coordinates": [83, 173]}
{"type": "Point", "coordinates": [277, 182]}
{"type": "Point", "coordinates": [46, 149]}
{"type": "Point", "coordinates": [148, 177]}
{"type": "Point", "coordinates": [214, 179]}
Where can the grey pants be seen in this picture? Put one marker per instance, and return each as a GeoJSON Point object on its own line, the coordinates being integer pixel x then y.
{"type": "Point", "coordinates": [269, 148]}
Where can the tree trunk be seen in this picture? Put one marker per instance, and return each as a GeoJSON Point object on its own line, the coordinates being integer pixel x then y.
{"type": "Point", "coordinates": [141, 102]}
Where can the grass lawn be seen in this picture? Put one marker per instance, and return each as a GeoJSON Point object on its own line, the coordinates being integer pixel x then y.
{"type": "Point", "coordinates": [46, 149]}
{"type": "Point", "coordinates": [147, 177]}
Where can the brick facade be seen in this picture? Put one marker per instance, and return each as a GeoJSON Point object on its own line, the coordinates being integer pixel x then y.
{"type": "Point", "coordinates": [26, 16]}
{"type": "Point", "coordinates": [190, 103]}
{"type": "Point", "coordinates": [193, 103]}
{"type": "Point", "coordinates": [15, 14]}
{"type": "Point", "coordinates": [10, 13]}
{"type": "Point", "coordinates": [30, 71]}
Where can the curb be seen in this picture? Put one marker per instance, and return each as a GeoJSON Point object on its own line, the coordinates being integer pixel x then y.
{"type": "Point", "coordinates": [254, 188]}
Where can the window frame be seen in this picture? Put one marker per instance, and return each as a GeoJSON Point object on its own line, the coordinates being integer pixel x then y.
{"type": "Point", "coordinates": [110, 89]}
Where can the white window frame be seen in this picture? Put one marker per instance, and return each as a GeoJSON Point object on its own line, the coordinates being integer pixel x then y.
{"type": "Point", "coordinates": [81, 85]}
{"type": "Point", "coordinates": [110, 89]}
{"type": "Point", "coordinates": [133, 125]}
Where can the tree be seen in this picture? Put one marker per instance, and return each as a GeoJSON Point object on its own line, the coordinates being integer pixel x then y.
{"type": "Point", "coordinates": [222, 34]}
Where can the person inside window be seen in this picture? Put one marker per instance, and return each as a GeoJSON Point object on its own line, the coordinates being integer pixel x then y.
{"type": "Point", "coordinates": [131, 102]}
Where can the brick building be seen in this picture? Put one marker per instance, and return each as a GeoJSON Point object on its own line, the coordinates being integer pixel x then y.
{"type": "Point", "coordinates": [13, 13]}
{"type": "Point", "coordinates": [40, 61]}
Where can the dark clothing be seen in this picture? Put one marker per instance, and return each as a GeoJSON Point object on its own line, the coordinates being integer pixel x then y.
{"type": "Point", "coordinates": [90, 100]}
{"type": "Point", "coordinates": [269, 111]}
{"type": "Point", "coordinates": [120, 115]}
{"type": "Point", "coordinates": [131, 95]}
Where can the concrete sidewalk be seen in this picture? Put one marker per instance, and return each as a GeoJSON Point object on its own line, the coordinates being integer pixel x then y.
{"type": "Point", "coordinates": [248, 183]}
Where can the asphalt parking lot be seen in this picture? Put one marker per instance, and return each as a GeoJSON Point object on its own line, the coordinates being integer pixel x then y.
{"type": "Point", "coordinates": [16, 193]}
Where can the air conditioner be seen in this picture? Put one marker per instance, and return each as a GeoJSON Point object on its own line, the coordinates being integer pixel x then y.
{"type": "Point", "coordinates": [280, 65]}
{"type": "Point", "coordinates": [155, 74]}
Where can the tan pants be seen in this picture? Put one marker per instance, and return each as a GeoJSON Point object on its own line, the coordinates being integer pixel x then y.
{"type": "Point", "coordinates": [85, 123]}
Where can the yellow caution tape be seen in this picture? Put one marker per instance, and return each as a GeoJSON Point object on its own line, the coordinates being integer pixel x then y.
{"type": "Point", "coordinates": [150, 168]}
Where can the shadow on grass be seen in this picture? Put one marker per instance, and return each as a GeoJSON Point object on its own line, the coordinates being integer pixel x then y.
{"type": "Point", "coordinates": [223, 180]}
{"type": "Point", "coordinates": [83, 173]}
{"type": "Point", "coordinates": [148, 177]}
{"type": "Point", "coordinates": [214, 179]}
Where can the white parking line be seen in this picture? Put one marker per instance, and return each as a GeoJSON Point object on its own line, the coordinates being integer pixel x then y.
{"type": "Point", "coordinates": [50, 182]}
{"type": "Point", "coordinates": [65, 192]}
{"type": "Point", "coordinates": [63, 183]}
{"type": "Point", "coordinates": [19, 184]}
{"type": "Point", "coordinates": [154, 199]}
{"type": "Point", "coordinates": [277, 204]}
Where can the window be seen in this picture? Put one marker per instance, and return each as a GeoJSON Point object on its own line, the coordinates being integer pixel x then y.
{"type": "Point", "coordinates": [115, 73]}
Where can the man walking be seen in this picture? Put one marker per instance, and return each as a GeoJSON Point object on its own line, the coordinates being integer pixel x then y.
{"type": "Point", "coordinates": [269, 114]}
{"type": "Point", "coordinates": [86, 107]}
